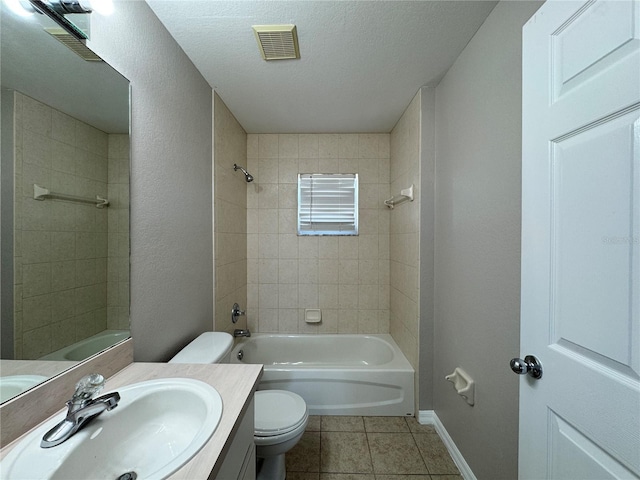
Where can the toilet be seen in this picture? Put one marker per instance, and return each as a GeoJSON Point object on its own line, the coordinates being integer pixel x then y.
{"type": "Point", "coordinates": [210, 347]}
{"type": "Point", "coordinates": [280, 416]}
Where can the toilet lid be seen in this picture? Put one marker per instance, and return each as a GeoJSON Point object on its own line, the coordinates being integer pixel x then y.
{"type": "Point", "coordinates": [278, 412]}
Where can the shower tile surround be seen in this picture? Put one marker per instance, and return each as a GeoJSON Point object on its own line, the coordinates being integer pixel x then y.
{"type": "Point", "coordinates": [71, 260]}
{"type": "Point", "coordinates": [363, 284]}
{"type": "Point", "coordinates": [347, 277]}
{"type": "Point", "coordinates": [404, 236]}
{"type": "Point", "coordinates": [230, 217]}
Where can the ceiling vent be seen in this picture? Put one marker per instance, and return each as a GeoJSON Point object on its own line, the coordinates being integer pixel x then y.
{"type": "Point", "coordinates": [277, 42]}
{"type": "Point", "coordinates": [73, 44]}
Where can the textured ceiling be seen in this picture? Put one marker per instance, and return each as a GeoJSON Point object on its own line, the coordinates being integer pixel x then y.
{"type": "Point", "coordinates": [361, 61]}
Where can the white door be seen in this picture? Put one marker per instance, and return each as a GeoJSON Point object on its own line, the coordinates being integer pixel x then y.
{"type": "Point", "coordinates": [581, 241]}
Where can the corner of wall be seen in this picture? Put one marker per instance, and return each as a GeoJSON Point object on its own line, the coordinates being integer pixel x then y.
{"type": "Point", "coordinates": [404, 237]}
{"type": "Point", "coordinates": [229, 217]}
{"type": "Point", "coordinates": [427, 247]}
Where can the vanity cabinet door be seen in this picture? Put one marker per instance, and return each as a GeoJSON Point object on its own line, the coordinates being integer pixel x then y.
{"type": "Point", "coordinates": [248, 471]}
{"type": "Point", "coordinates": [240, 462]}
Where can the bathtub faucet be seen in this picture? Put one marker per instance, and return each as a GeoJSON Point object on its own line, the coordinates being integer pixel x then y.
{"type": "Point", "coordinates": [236, 312]}
{"type": "Point", "coordinates": [82, 408]}
{"type": "Point", "coordinates": [238, 332]}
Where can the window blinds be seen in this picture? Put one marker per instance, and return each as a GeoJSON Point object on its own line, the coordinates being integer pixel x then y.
{"type": "Point", "coordinates": [328, 204]}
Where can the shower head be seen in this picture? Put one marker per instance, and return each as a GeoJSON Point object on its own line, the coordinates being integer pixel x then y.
{"type": "Point", "coordinates": [247, 175]}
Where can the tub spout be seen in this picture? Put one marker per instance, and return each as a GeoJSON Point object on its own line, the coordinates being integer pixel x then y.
{"type": "Point", "coordinates": [238, 332]}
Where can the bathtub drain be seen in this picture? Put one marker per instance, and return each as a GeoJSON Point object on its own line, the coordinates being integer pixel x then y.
{"type": "Point", "coordinates": [240, 355]}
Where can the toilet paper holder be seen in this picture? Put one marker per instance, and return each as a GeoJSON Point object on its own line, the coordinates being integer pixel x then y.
{"type": "Point", "coordinates": [463, 383]}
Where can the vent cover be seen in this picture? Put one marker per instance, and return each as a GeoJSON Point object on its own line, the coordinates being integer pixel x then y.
{"type": "Point", "coordinates": [73, 44]}
{"type": "Point", "coordinates": [277, 42]}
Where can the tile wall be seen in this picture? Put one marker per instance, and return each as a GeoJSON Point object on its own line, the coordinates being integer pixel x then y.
{"type": "Point", "coordinates": [61, 248]}
{"type": "Point", "coordinates": [404, 252]}
{"type": "Point", "coordinates": [118, 236]}
{"type": "Point", "coordinates": [346, 277]}
{"type": "Point", "coordinates": [230, 217]}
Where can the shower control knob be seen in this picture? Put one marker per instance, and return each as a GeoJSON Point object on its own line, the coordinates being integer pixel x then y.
{"type": "Point", "coordinates": [236, 312]}
{"type": "Point", "coordinates": [530, 365]}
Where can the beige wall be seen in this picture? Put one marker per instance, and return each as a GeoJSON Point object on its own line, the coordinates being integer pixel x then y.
{"type": "Point", "coordinates": [61, 248]}
{"type": "Point", "coordinates": [477, 253]}
{"type": "Point", "coordinates": [230, 216]}
{"type": "Point", "coordinates": [346, 277]}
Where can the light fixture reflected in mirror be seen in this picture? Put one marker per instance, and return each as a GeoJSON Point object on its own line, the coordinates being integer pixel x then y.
{"type": "Point", "coordinates": [64, 7]}
{"type": "Point", "coordinates": [57, 9]}
{"type": "Point", "coordinates": [103, 7]}
{"type": "Point", "coordinates": [22, 8]}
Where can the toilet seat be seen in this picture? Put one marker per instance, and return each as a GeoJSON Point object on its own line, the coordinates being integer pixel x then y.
{"type": "Point", "coordinates": [278, 412]}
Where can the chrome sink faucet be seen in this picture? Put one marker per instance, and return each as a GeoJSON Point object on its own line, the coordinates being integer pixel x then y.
{"type": "Point", "coordinates": [82, 408]}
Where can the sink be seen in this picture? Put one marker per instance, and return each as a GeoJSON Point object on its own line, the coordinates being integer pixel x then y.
{"type": "Point", "coordinates": [157, 427]}
{"type": "Point", "coordinates": [13, 385]}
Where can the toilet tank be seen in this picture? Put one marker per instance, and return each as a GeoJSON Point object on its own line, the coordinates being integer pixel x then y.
{"type": "Point", "coordinates": [210, 347]}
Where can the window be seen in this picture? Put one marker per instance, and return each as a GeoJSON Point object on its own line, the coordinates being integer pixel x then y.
{"type": "Point", "coordinates": [328, 204]}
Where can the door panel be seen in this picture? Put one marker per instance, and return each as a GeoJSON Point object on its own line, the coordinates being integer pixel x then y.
{"type": "Point", "coordinates": [581, 241]}
{"type": "Point", "coordinates": [569, 443]}
{"type": "Point", "coordinates": [587, 44]}
{"type": "Point", "coordinates": [594, 214]}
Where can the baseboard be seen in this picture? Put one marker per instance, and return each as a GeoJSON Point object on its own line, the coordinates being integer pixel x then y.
{"type": "Point", "coordinates": [429, 417]}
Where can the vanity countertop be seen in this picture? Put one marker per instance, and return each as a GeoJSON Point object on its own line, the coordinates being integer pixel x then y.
{"type": "Point", "coordinates": [235, 384]}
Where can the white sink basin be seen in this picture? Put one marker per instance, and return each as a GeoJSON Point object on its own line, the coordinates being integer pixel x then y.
{"type": "Point", "coordinates": [156, 428]}
{"type": "Point", "coordinates": [13, 385]}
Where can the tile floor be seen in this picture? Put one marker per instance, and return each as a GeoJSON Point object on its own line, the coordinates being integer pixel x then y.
{"type": "Point", "coordinates": [369, 448]}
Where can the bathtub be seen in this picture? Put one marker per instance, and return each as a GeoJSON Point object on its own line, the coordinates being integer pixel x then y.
{"type": "Point", "coordinates": [335, 374]}
{"type": "Point", "coordinates": [89, 346]}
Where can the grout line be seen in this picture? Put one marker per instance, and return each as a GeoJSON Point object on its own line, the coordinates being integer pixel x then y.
{"type": "Point", "coordinates": [373, 473]}
{"type": "Point", "coordinates": [320, 448]}
{"type": "Point", "coordinates": [416, 444]}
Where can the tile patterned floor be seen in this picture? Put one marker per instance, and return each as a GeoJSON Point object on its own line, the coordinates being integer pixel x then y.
{"type": "Point", "coordinates": [369, 448]}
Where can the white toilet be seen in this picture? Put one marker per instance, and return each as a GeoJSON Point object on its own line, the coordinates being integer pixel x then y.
{"type": "Point", "coordinates": [280, 416]}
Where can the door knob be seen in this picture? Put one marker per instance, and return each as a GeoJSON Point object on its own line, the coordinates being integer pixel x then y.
{"type": "Point", "coordinates": [530, 365]}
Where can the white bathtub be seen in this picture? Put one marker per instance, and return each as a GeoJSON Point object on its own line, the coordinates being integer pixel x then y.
{"type": "Point", "coordinates": [89, 346]}
{"type": "Point", "coordinates": [335, 374]}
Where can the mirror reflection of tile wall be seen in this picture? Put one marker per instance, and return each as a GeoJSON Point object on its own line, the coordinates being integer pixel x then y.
{"type": "Point", "coordinates": [118, 236]}
{"type": "Point", "coordinates": [66, 260]}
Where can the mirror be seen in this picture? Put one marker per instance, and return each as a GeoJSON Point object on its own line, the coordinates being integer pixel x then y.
{"type": "Point", "coordinates": [65, 261]}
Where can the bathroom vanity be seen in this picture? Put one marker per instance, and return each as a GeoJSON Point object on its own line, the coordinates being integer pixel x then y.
{"type": "Point", "coordinates": [230, 448]}
{"type": "Point", "coordinates": [230, 452]}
